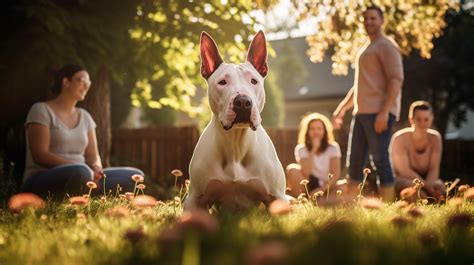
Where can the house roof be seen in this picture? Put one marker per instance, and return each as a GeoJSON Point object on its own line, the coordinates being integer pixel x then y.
{"type": "Point", "coordinates": [320, 83]}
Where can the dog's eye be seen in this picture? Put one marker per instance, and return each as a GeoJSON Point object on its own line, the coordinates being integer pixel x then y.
{"type": "Point", "coordinates": [222, 82]}
{"type": "Point", "coordinates": [253, 81]}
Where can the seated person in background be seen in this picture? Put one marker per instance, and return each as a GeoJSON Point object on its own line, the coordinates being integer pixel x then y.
{"type": "Point", "coordinates": [416, 152]}
{"type": "Point", "coordinates": [317, 155]}
{"type": "Point", "coordinates": [61, 144]}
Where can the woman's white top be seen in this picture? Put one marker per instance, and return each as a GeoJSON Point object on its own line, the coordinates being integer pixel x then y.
{"type": "Point", "coordinates": [321, 162]}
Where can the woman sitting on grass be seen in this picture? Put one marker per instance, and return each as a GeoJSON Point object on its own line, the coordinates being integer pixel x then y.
{"type": "Point", "coordinates": [416, 152]}
{"type": "Point", "coordinates": [61, 144]}
{"type": "Point", "coordinates": [317, 156]}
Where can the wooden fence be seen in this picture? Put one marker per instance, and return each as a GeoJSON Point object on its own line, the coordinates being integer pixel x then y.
{"type": "Point", "coordinates": [157, 151]}
{"type": "Point", "coordinates": [284, 141]}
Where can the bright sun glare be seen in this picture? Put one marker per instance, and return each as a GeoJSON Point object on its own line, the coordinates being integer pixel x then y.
{"type": "Point", "coordinates": [281, 22]}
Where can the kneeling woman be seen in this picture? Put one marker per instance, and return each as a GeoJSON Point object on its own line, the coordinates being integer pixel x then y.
{"type": "Point", "coordinates": [61, 143]}
{"type": "Point", "coordinates": [317, 155]}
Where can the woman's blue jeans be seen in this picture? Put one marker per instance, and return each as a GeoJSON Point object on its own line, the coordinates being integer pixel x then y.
{"type": "Point", "coordinates": [363, 140]}
{"type": "Point", "coordinates": [71, 179]}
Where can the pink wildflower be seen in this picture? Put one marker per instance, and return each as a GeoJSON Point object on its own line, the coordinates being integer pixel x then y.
{"type": "Point", "coordinates": [199, 220]}
{"type": "Point", "coordinates": [91, 185]}
{"type": "Point", "coordinates": [138, 178]}
{"type": "Point", "coordinates": [177, 173]}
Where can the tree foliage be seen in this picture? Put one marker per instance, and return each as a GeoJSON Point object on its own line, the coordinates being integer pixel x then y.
{"type": "Point", "coordinates": [447, 79]}
{"type": "Point", "coordinates": [167, 35]}
{"type": "Point", "coordinates": [144, 41]}
{"type": "Point", "coordinates": [41, 36]}
{"type": "Point", "coordinates": [339, 25]}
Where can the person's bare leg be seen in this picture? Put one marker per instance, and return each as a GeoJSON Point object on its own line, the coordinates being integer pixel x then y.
{"type": "Point", "coordinates": [387, 193]}
{"type": "Point", "coordinates": [294, 176]}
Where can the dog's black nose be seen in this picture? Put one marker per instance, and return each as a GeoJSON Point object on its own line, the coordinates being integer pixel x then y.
{"type": "Point", "coordinates": [243, 108]}
{"type": "Point", "coordinates": [242, 102]}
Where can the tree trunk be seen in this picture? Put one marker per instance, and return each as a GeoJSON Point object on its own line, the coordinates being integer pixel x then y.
{"type": "Point", "coordinates": [97, 103]}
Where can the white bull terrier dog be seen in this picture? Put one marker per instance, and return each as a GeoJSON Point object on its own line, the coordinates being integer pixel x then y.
{"type": "Point", "coordinates": [234, 163]}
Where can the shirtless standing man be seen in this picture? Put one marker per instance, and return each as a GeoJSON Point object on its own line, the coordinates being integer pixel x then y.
{"type": "Point", "coordinates": [415, 152]}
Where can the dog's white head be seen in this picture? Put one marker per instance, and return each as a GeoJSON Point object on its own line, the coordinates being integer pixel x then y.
{"type": "Point", "coordinates": [236, 92]}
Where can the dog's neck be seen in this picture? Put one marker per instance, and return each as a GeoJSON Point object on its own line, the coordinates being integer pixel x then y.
{"type": "Point", "coordinates": [238, 140]}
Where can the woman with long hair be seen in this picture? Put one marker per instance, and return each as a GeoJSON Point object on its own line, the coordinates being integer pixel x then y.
{"type": "Point", "coordinates": [61, 143]}
{"type": "Point", "coordinates": [317, 154]}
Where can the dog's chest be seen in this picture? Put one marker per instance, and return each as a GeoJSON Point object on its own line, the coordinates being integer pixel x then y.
{"type": "Point", "coordinates": [238, 171]}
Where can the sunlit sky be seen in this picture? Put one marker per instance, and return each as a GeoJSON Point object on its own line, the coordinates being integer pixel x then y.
{"type": "Point", "coordinates": [280, 15]}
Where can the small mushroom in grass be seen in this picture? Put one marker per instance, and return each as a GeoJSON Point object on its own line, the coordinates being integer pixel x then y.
{"type": "Point", "coordinates": [268, 253]}
{"type": "Point", "coordinates": [409, 194]}
{"type": "Point", "coordinates": [20, 201]}
{"type": "Point", "coordinates": [141, 201]}
{"type": "Point", "coordinates": [401, 204]}
{"type": "Point", "coordinates": [78, 200]}
{"type": "Point", "coordinates": [279, 207]}
{"type": "Point", "coordinates": [400, 221]}
{"type": "Point", "coordinates": [199, 220]}
{"type": "Point", "coordinates": [134, 235]}
{"type": "Point", "coordinates": [469, 194]}
{"type": "Point", "coordinates": [428, 238]}
{"type": "Point", "coordinates": [455, 202]}
{"type": "Point", "coordinates": [129, 196]}
{"type": "Point", "coordinates": [415, 212]}
{"type": "Point", "coordinates": [118, 212]}
{"type": "Point", "coordinates": [463, 188]}
{"type": "Point", "coordinates": [372, 203]}
{"type": "Point", "coordinates": [460, 220]}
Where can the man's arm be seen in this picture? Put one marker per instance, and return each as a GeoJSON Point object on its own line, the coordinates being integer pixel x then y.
{"type": "Point", "coordinates": [393, 90]}
{"type": "Point", "coordinates": [346, 104]}
{"type": "Point", "coordinates": [392, 64]}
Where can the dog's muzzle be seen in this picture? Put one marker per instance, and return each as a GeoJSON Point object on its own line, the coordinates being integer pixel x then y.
{"type": "Point", "coordinates": [242, 106]}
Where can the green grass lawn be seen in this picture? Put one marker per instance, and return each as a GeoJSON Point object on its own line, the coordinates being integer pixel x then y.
{"type": "Point", "coordinates": [61, 233]}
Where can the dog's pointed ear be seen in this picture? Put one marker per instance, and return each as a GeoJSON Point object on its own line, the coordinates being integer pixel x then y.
{"type": "Point", "coordinates": [210, 57]}
{"type": "Point", "coordinates": [257, 54]}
